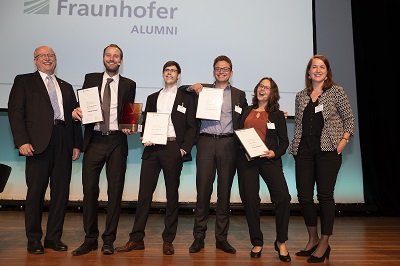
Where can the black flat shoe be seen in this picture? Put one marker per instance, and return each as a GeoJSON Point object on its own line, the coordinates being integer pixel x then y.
{"type": "Point", "coordinates": [313, 259]}
{"type": "Point", "coordinates": [284, 258]}
{"type": "Point", "coordinates": [85, 248]}
{"type": "Point", "coordinates": [225, 247]}
{"type": "Point", "coordinates": [57, 246]}
{"type": "Point", "coordinates": [306, 253]}
{"type": "Point", "coordinates": [256, 255]}
{"type": "Point", "coordinates": [35, 247]}
{"type": "Point", "coordinates": [197, 245]}
{"type": "Point", "coordinates": [107, 248]}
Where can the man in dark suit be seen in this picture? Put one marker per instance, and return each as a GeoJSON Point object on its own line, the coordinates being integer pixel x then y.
{"type": "Point", "coordinates": [169, 158]}
{"type": "Point", "coordinates": [44, 132]}
{"type": "Point", "coordinates": [105, 147]}
{"type": "Point", "coordinates": [217, 154]}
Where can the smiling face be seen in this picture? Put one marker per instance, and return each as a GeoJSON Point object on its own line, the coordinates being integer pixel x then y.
{"type": "Point", "coordinates": [45, 59]}
{"type": "Point", "coordinates": [222, 72]}
{"type": "Point", "coordinates": [318, 70]}
{"type": "Point", "coordinates": [112, 60]}
{"type": "Point", "coordinates": [263, 90]}
{"type": "Point", "coordinates": [171, 76]}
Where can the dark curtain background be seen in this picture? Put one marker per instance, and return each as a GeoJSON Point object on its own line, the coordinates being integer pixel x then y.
{"type": "Point", "coordinates": [375, 28]}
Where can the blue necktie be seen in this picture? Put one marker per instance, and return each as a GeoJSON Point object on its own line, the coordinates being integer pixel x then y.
{"type": "Point", "coordinates": [53, 97]}
{"type": "Point", "coordinates": [105, 125]}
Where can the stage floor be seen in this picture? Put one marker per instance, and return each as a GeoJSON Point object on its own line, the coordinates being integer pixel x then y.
{"type": "Point", "coordinates": [356, 240]}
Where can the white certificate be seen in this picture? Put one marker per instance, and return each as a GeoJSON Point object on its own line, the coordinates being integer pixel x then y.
{"type": "Point", "coordinates": [156, 128]}
{"type": "Point", "coordinates": [89, 101]}
{"type": "Point", "coordinates": [251, 142]}
{"type": "Point", "coordinates": [210, 104]}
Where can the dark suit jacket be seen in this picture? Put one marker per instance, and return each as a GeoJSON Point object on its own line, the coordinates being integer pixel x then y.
{"type": "Point", "coordinates": [184, 123]}
{"type": "Point", "coordinates": [31, 114]}
{"type": "Point", "coordinates": [126, 94]}
{"type": "Point", "coordinates": [238, 98]}
{"type": "Point", "coordinates": [275, 139]}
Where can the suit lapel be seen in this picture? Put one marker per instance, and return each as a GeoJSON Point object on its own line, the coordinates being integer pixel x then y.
{"type": "Point", "coordinates": [178, 100]}
{"type": "Point", "coordinates": [62, 88]}
{"type": "Point", "coordinates": [42, 87]}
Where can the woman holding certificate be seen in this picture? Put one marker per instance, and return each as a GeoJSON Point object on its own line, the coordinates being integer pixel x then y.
{"type": "Point", "coordinates": [270, 124]}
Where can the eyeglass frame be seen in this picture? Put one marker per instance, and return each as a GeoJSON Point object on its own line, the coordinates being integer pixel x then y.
{"type": "Point", "coordinates": [222, 69]}
{"type": "Point", "coordinates": [45, 55]}
{"type": "Point", "coordinates": [170, 70]}
{"type": "Point", "coordinates": [263, 87]}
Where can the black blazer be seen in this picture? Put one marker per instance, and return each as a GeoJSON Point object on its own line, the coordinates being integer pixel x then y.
{"type": "Point", "coordinates": [126, 94]}
{"type": "Point", "coordinates": [184, 123]}
{"type": "Point", "coordinates": [31, 114]}
{"type": "Point", "coordinates": [275, 139]}
{"type": "Point", "coordinates": [238, 98]}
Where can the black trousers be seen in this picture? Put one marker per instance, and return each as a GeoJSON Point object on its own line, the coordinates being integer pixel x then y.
{"type": "Point", "coordinates": [214, 156]}
{"type": "Point", "coordinates": [156, 158]}
{"type": "Point", "coordinates": [54, 165]}
{"type": "Point", "coordinates": [103, 150]}
{"type": "Point", "coordinates": [271, 172]}
{"type": "Point", "coordinates": [315, 167]}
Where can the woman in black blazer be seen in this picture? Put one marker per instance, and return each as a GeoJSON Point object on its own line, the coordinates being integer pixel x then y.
{"type": "Point", "coordinates": [270, 124]}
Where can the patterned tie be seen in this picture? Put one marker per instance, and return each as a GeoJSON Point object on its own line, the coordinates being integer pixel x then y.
{"type": "Point", "coordinates": [105, 126]}
{"type": "Point", "coordinates": [53, 97]}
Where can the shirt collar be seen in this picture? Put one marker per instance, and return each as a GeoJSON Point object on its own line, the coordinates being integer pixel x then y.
{"type": "Point", "coordinates": [227, 87]}
{"type": "Point", "coordinates": [106, 76]}
{"type": "Point", "coordinates": [173, 89]}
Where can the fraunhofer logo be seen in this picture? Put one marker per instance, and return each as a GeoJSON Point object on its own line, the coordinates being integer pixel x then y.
{"type": "Point", "coordinates": [36, 7]}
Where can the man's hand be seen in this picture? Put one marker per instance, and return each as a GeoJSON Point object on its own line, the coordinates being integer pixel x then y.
{"type": "Point", "coordinates": [76, 153]}
{"type": "Point", "coordinates": [77, 114]}
{"type": "Point", "coordinates": [127, 131]}
{"type": "Point", "coordinates": [148, 143]}
{"type": "Point", "coordinates": [26, 149]}
{"type": "Point", "coordinates": [196, 87]}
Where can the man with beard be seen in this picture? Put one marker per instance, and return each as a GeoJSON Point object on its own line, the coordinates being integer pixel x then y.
{"type": "Point", "coordinates": [104, 144]}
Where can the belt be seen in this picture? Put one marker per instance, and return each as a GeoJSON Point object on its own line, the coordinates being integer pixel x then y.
{"type": "Point", "coordinates": [217, 136]}
{"type": "Point", "coordinates": [106, 133]}
{"type": "Point", "coordinates": [171, 139]}
{"type": "Point", "coordinates": [59, 122]}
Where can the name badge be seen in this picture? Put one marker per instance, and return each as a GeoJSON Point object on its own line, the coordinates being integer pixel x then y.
{"type": "Point", "coordinates": [270, 125]}
{"type": "Point", "coordinates": [238, 109]}
{"type": "Point", "coordinates": [181, 109]}
{"type": "Point", "coordinates": [319, 108]}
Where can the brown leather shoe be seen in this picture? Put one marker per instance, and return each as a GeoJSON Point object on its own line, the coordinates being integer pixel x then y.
{"type": "Point", "coordinates": [168, 248]}
{"type": "Point", "coordinates": [131, 245]}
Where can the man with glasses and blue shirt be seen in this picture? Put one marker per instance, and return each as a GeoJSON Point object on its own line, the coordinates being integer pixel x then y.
{"type": "Point", "coordinates": [169, 158]}
{"type": "Point", "coordinates": [39, 110]}
{"type": "Point", "coordinates": [217, 154]}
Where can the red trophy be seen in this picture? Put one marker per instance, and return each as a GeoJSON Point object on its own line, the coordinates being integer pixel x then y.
{"type": "Point", "coordinates": [131, 116]}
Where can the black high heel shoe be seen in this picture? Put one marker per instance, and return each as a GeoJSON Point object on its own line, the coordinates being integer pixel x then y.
{"type": "Point", "coordinates": [313, 259]}
{"type": "Point", "coordinates": [306, 253]}
{"type": "Point", "coordinates": [255, 255]}
{"type": "Point", "coordinates": [285, 258]}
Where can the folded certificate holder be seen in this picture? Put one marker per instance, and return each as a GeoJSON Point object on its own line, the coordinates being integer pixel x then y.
{"type": "Point", "coordinates": [132, 117]}
{"type": "Point", "coordinates": [253, 145]}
